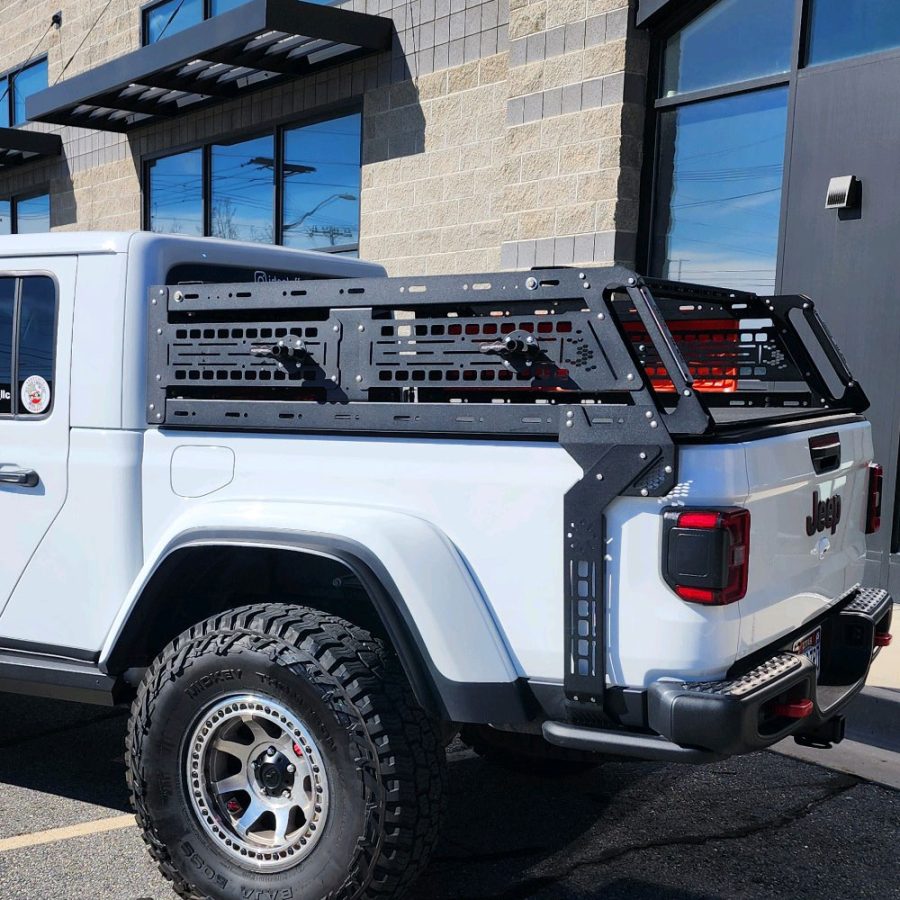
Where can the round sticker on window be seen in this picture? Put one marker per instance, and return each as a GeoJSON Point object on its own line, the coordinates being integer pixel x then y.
{"type": "Point", "coordinates": [35, 394]}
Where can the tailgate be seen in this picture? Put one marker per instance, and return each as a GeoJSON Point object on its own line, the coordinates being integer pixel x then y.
{"type": "Point", "coordinates": [807, 539]}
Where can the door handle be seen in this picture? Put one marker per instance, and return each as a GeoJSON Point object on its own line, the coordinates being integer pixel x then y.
{"type": "Point", "coordinates": [24, 477]}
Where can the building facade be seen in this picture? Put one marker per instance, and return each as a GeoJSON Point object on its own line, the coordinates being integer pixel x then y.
{"type": "Point", "coordinates": [696, 139]}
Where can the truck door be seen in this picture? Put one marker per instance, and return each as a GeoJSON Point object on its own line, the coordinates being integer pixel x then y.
{"type": "Point", "coordinates": [35, 348]}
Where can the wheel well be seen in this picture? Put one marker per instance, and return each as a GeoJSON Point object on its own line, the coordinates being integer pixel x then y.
{"type": "Point", "coordinates": [197, 582]}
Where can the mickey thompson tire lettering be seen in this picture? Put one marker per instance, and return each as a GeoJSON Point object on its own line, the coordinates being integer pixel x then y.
{"type": "Point", "coordinates": [382, 754]}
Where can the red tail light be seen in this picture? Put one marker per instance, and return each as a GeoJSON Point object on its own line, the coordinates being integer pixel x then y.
{"type": "Point", "coordinates": [707, 555]}
{"type": "Point", "coordinates": [873, 510]}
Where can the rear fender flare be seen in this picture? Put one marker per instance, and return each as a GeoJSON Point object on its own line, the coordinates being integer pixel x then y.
{"type": "Point", "coordinates": [427, 599]}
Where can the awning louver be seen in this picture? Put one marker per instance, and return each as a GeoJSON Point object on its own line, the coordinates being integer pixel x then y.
{"type": "Point", "coordinates": [255, 45]}
{"type": "Point", "coordinates": [18, 146]}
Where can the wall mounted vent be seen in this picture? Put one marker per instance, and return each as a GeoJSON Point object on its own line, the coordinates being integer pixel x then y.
{"type": "Point", "coordinates": [844, 192]}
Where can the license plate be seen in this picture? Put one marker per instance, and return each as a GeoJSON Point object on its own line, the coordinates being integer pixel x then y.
{"type": "Point", "coordinates": [811, 647]}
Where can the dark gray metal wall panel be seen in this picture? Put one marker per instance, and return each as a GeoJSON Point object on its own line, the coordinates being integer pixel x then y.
{"type": "Point", "coordinates": [846, 123]}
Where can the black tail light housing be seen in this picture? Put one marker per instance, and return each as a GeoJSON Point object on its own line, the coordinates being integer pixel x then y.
{"type": "Point", "coordinates": [873, 509]}
{"type": "Point", "coordinates": [706, 554]}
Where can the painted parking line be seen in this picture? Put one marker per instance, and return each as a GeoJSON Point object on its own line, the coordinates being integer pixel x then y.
{"type": "Point", "coordinates": [53, 835]}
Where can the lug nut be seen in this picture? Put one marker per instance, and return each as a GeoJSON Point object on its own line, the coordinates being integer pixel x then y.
{"type": "Point", "coordinates": [271, 751]}
{"type": "Point", "coordinates": [291, 769]}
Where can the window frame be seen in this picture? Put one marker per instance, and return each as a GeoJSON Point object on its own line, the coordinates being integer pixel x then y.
{"type": "Point", "coordinates": [16, 199]}
{"type": "Point", "coordinates": [10, 75]}
{"type": "Point", "coordinates": [16, 414]}
{"type": "Point", "coordinates": [277, 129]}
{"type": "Point", "coordinates": [657, 104]}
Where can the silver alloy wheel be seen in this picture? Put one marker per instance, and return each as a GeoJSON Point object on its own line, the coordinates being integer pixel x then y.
{"type": "Point", "coordinates": [257, 781]}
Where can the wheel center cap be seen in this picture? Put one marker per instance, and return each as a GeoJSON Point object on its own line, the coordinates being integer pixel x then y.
{"type": "Point", "coordinates": [273, 773]}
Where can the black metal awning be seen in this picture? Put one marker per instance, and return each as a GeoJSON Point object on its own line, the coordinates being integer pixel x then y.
{"type": "Point", "coordinates": [18, 146]}
{"type": "Point", "coordinates": [255, 45]}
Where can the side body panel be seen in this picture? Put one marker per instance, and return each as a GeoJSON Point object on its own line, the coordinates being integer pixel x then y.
{"type": "Point", "coordinates": [495, 509]}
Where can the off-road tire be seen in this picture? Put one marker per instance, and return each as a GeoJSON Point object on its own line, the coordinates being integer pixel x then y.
{"type": "Point", "coordinates": [382, 753]}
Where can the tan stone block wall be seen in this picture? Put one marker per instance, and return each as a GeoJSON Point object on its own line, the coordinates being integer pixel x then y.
{"type": "Point", "coordinates": [437, 211]}
{"type": "Point", "coordinates": [526, 154]}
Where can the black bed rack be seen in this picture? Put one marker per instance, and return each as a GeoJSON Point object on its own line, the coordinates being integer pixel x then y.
{"type": "Point", "coordinates": [590, 358]}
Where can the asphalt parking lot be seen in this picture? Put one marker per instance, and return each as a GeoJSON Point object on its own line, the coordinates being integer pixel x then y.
{"type": "Point", "coordinates": [762, 826]}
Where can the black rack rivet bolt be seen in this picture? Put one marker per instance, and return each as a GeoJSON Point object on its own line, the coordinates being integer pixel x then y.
{"type": "Point", "coordinates": [649, 414]}
{"type": "Point", "coordinates": [359, 379]}
{"type": "Point", "coordinates": [178, 297]}
{"type": "Point", "coordinates": [158, 330]}
{"type": "Point", "coordinates": [631, 281]}
{"type": "Point", "coordinates": [360, 327]}
{"type": "Point", "coordinates": [654, 424]}
{"type": "Point", "coordinates": [334, 328]}
{"type": "Point", "coordinates": [642, 455]}
{"type": "Point", "coordinates": [152, 406]}
{"type": "Point", "coordinates": [531, 284]}
{"type": "Point", "coordinates": [668, 470]}
{"type": "Point", "coordinates": [587, 285]}
{"type": "Point", "coordinates": [629, 377]}
{"type": "Point", "coordinates": [599, 477]}
{"type": "Point", "coordinates": [600, 316]}
{"type": "Point", "coordinates": [645, 492]}
{"type": "Point", "coordinates": [687, 393]}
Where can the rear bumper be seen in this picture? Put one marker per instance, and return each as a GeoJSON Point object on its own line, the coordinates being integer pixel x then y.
{"type": "Point", "coordinates": [746, 712]}
{"type": "Point", "coordinates": [742, 714]}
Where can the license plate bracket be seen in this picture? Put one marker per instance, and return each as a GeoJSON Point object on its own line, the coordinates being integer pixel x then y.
{"type": "Point", "coordinates": [810, 646]}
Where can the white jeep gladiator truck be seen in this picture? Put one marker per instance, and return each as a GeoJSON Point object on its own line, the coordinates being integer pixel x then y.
{"type": "Point", "coordinates": [311, 522]}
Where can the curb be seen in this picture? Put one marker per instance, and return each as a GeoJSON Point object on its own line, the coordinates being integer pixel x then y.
{"type": "Point", "coordinates": [873, 718]}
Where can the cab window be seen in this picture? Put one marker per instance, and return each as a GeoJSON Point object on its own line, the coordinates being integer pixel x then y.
{"type": "Point", "coordinates": [27, 345]}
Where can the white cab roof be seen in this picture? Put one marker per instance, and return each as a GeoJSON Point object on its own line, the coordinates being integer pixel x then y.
{"type": "Point", "coordinates": [240, 253]}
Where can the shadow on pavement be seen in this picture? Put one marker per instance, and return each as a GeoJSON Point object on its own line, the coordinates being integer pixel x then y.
{"type": "Point", "coordinates": [65, 749]}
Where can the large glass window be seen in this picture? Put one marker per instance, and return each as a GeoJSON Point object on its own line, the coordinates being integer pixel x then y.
{"type": "Point", "coordinates": [4, 103]}
{"type": "Point", "coordinates": [734, 40]}
{"type": "Point", "coordinates": [16, 87]}
{"type": "Point", "coordinates": [839, 29]}
{"type": "Point", "coordinates": [242, 199]}
{"type": "Point", "coordinates": [221, 6]}
{"type": "Point", "coordinates": [175, 190]}
{"type": "Point", "coordinates": [322, 184]}
{"type": "Point", "coordinates": [310, 172]}
{"type": "Point", "coordinates": [32, 214]}
{"type": "Point", "coordinates": [26, 375]}
{"type": "Point", "coordinates": [720, 159]}
{"type": "Point", "coordinates": [25, 82]}
{"type": "Point", "coordinates": [720, 171]}
{"type": "Point", "coordinates": [166, 19]}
